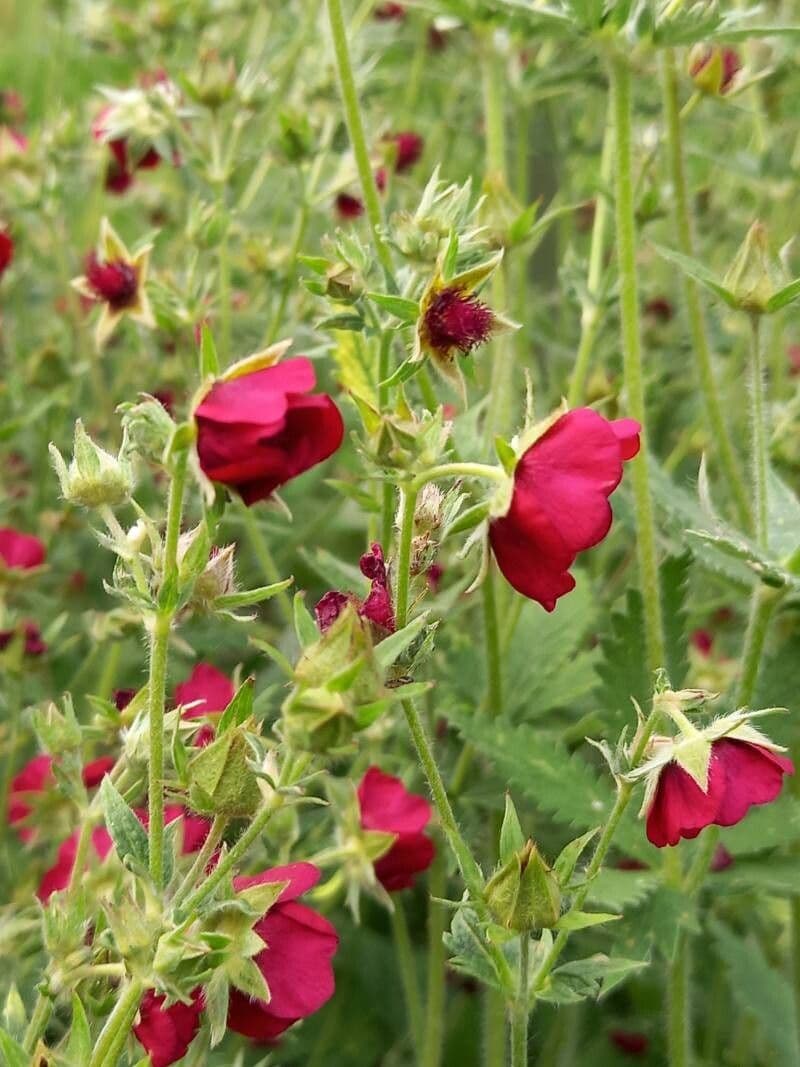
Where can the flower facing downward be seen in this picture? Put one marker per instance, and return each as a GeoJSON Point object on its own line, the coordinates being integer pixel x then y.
{"type": "Point", "coordinates": [377, 607]}
{"type": "Point", "coordinates": [741, 773]}
{"type": "Point", "coordinates": [20, 551]}
{"type": "Point", "coordinates": [257, 431]}
{"type": "Point", "coordinates": [387, 806]}
{"type": "Point", "coordinates": [559, 504]}
{"type": "Point", "coordinates": [407, 147]}
{"type": "Point", "coordinates": [6, 250]}
{"type": "Point", "coordinates": [116, 278]}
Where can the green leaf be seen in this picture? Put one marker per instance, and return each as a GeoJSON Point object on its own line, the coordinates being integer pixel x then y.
{"type": "Point", "coordinates": [569, 856]}
{"type": "Point", "coordinates": [392, 647]}
{"type": "Point", "coordinates": [698, 272]}
{"type": "Point", "coordinates": [512, 838]}
{"type": "Point", "coordinates": [620, 890]}
{"type": "Point", "coordinates": [209, 360]}
{"type": "Point", "coordinates": [623, 664]}
{"type": "Point", "coordinates": [79, 1045]}
{"type": "Point", "coordinates": [656, 924]}
{"type": "Point", "coordinates": [761, 992]}
{"type": "Point", "coordinates": [127, 833]}
{"type": "Point", "coordinates": [601, 973]}
{"type": "Point", "coordinates": [240, 708]}
{"type": "Point", "coordinates": [404, 373]}
{"type": "Point", "coordinates": [783, 517]}
{"type": "Point", "coordinates": [251, 596]}
{"type": "Point", "coordinates": [304, 625]}
{"type": "Point", "coordinates": [467, 949]}
{"type": "Point", "coordinates": [784, 296]}
{"type": "Point", "coordinates": [399, 306]}
{"type": "Point", "coordinates": [344, 321]}
{"type": "Point", "coordinates": [674, 589]}
{"type": "Point", "coordinates": [14, 1055]}
{"type": "Point", "coordinates": [579, 920]}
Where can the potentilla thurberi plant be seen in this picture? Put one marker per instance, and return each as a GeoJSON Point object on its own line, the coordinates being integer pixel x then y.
{"type": "Point", "coordinates": [399, 493]}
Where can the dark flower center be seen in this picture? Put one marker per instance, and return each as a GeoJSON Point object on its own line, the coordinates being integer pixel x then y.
{"type": "Point", "coordinates": [114, 282]}
{"type": "Point", "coordinates": [455, 319]}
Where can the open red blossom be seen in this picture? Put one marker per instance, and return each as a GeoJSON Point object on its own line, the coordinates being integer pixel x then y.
{"type": "Point", "coordinates": [455, 319]}
{"type": "Point", "coordinates": [387, 805]}
{"type": "Point", "coordinates": [37, 777]}
{"type": "Point", "coordinates": [166, 1033]}
{"type": "Point", "coordinates": [114, 282]}
{"type": "Point", "coordinates": [58, 876]}
{"type": "Point", "coordinates": [377, 607]}
{"type": "Point", "coordinates": [559, 505]}
{"type": "Point", "coordinates": [296, 962]}
{"type": "Point", "coordinates": [20, 551]}
{"type": "Point", "coordinates": [409, 147]}
{"type": "Point", "coordinates": [34, 645]}
{"type": "Point", "coordinates": [740, 774]}
{"type": "Point", "coordinates": [207, 688]}
{"type": "Point", "coordinates": [6, 250]}
{"type": "Point", "coordinates": [258, 431]}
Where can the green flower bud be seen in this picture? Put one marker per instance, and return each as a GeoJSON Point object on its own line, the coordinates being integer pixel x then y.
{"type": "Point", "coordinates": [221, 781]}
{"type": "Point", "coordinates": [147, 428]}
{"type": "Point", "coordinates": [524, 894]}
{"type": "Point", "coordinates": [755, 275]}
{"type": "Point", "coordinates": [94, 478]}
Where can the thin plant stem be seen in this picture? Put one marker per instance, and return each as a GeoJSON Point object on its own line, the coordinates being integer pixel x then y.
{"type": "Point", "coordinates": [520, 1011]}
{"type": "Point", "coordinates": [679, 1033]}
{"type": "Point", "coordinates": [759, 458]}
{"type": "Point", "coordinates": [157, 681]}
{"type": "Point", "coordinates": [632, 349]}
{"type": "Point", "coordinates": [408, 976]}
{"type": "Point", "coordinates": [261, 550]}
{"type": "Point", "coordinates": [437, 961]}
{"type": "Point", "coordinates": [694, 310]}
{"type": "Point", "coordinates": [591, 318]}
{"type": "Point", "coordinates": [300, 226]}
{"type": "Point", "coordinates": [81, 855]}
{"type": "Point", "coordinates": [491, 631]}
{"type": "Point", "coordinates": [117, 1025]}
{"type": "Point", "coordinates": [42, 1010]}
{"type": "Point", "coordinates": [355, 129]}
{"type": "Point", "coordinates": [202, 858]}
{"type": "Point", "coordinates": [408, 504]}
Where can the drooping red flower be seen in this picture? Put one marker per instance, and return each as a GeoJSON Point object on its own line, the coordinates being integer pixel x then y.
{"type": "Point", "coordinates": [207, 688]}
{"type": "Point", "coordinates": [166, 1033]}
{"type": "Point", "coordinates": [258, 431]}
{"type": "Point", "coordinates": [559, 505]}
{"type": "Point", "coordinates": [58, 876]}
{"type": "Point", "coordinates": [740, 775]}
{"type": "Point", "coordinates": [6, 250]}
{"type": "Point", "coordinates": [630, 1042]}
{"type": "Point", "coordinates": [123, 162]}
{"type": "Point", "coordinates": [34, 645]}
{"type": "Point", "coordinates": [115, 282]}
{"type": "Point", "coordinates": [703, 641]}
{"type": "Point", "coordinates": [349, 207]}
{"type": "Point", "coordinates": [376, 607]}
{"type": "Point", "coordinates": [123, 697]}
{"type": "Point", "coordinates": [20, 551]}
{"type": "Point", "coordinates": [387, 805]}
{"type": "Point", "coordinates": [37, 777]}
{"type": "Point", "coordinates": [455, 319]}
{"type": "Point", "coordinates": [408, 148]}
{"type": "Point", "coordinates": [389, 12]}
{"type": "Point", "coordinates": [296, 962]}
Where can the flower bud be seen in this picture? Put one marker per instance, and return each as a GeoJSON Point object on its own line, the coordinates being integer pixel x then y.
{"type": "Point", "coordinates": [148, 428]}
{"type": "Point", "coordinates": [755, 275]}
{"type": "Point", "coordinates": [344, 284]}
{"type": "Point", "coordinates": [524, 894]}
{"type": "Point", "coordinates": [713, 69]}
{"type": "Point", "coordinates": [94, 478]}
{"type": "Point", "coordinates": [216, 579]}
{"type": "Point", "coordinates": [428, 512]}
{"type": "Point", "coordinates": [213, 81]}
{"type": "Point", "coordinates": [221, 781]}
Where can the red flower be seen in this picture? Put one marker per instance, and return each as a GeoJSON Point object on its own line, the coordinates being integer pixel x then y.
{"type": "Point", "coordinates": [377, 607]}
{"type": "Point", "coordinates": [409, 147]}
{"type": "Point", "coordinates": [34, 645]}
{"type": "Point", "coordinates": [630, 1042]}
{"type": "Point", "coordinates": [721, 860]}
{"type": "Point", "coordinates": [659, 308]}
{"type": "Point", "coordinates": [703, 641]}
{"type": "Point", "coordinates": [121, 168]}
{"type": "Point", "coordinates": [455, 319]}
{"type": "Point", "coordinates": [6, 250]}
{"type": "Point", "coordinates": [349, 207]}
{"type": "Point", "coordinates": [389, 12]}
{"type": "Point", "coordinates": [115, 282]}
{"type": "Point", "coordinates": [207, 688]}
{"type": "Point", "coordinates": [740, 774]}
{"type": "Point", "coordinates": [37, 777]}
{"type": "Point", "coordinates": [123, 697]}
{"type": "Point", "coordinates": [560, 503]}
{"type": "Point", "coordinates": [296, 962]}
{"type": "Point", "coordinates": [166, 1033]}
{"type": "Point", "coordinates": [386, 805]}
{"type": "Point", "coordinates": [20, 551]}
{"type": "Point", "coordinates": [258, 431]}
{"type": "Point", "coordinates": [58, 876]}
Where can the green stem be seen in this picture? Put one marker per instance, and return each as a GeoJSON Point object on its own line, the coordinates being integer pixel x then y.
{"type": "Point", "coordinates": [157, 682]}
{"type": "Point", "coordinates": [224, 294]}
{"type": "Point", "coordinates": [300, 226]}
{"type": "Point", "coordinates": [459, 470]}
{"type": "Point", "coordinates": [494, 1029]}
{"type": "Point", "coordinates": [42, 1011]}
{"type": "Point", "coordinates": [759, 431]}
{"type": "Point", "coordinates": [133, 561]}
{"type": "Point", "coordinates": [197, 869]}
{"type": "Point", "coordinates": [261, 550]}
{"type": "Point", "coordinates": [519, 1020]}
{"type": "Point", "coordinates": [232, 858]}
{"type": "Point", "coordinates": [355, 128]}
{"type": "Point", "coordinates": [697, 325]}
{"type": "Point", "coordinates": [117, 1025]}
{"type": "Point", "coordinates": [494, 665]}
{"type": "Point", "coordinates": [765, 600]}
{"type": "Point", "coordinates": [408, 976]}
{"type": "Point", "coordinates": [679, 1033]}
{"type": "Point", "coordinates": [632, 349]}
{"type": "Point", "coordinates": [591, 319]}
{"type": "Point", "coordinates": [437, 961]}
{"type": "Point", "coordinates": [387, 489]}
{"type": "Point", "coordinates": [81, 855]}
{"type": "Point", "coordinates": [409, 501]}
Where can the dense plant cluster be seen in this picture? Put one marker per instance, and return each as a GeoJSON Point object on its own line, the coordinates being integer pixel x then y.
{"type": "Point", "coordinates": [399, 533]}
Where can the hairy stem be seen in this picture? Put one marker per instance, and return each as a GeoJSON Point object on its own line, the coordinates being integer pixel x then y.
{"type": "Point", "coordinates": [437, 961]}
{"type": "Point", "coordinates": [42, 1011]}
{"type": "Point", "coordinates": [679, 1035]}
{"type": "Point", "coordinates": [408, 976]}
{"type": "Point", "coordinates": [520, 1011]}
{"type": "Point", "coordinates": [117, 1026]}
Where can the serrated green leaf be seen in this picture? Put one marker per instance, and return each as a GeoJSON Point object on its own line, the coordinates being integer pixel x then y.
{"type": "Point", "coordinates": [129, 836]}
{"type": "Point", "coordinates": [674, 588]}
{"type": "Point", "coordinates": [623, 664]}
